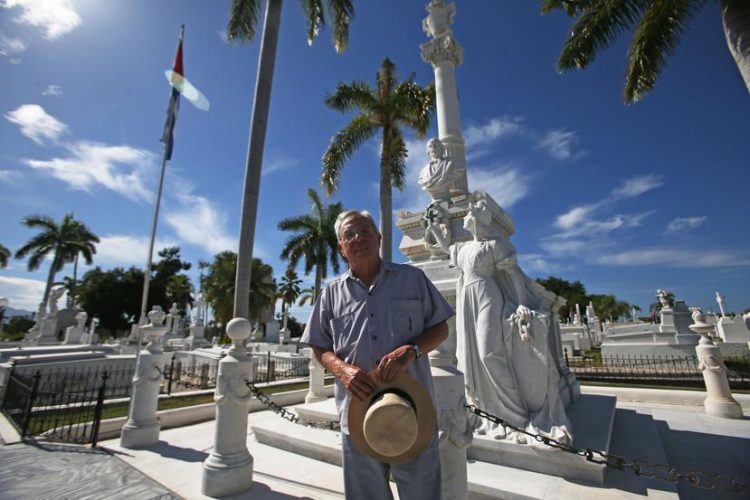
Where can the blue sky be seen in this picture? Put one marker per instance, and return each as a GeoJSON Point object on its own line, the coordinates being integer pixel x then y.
{"type": "Point", "coordinates": [626, 199]}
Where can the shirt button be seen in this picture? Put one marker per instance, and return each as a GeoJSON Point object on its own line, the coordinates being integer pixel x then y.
{"type": "Point", "coordinates": [372, 315]}
{"type": "Point", "coordinates": [374, 337]}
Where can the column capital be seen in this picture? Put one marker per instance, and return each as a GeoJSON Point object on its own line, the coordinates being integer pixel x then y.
{"type": "Point", "coordinates": [441, 49]}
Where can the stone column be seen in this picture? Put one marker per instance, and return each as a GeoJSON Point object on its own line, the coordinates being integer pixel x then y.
{"type": "Point", "coordinates": [444, 54]}
{"type": "Point", "coordinates": [317, 379]}
{"type": "Point", "coordinates": [228, 470]}
{"type": "Point", "coordinates": [719, 401]}
{"type": "Point", "coordinates": [142, 428]}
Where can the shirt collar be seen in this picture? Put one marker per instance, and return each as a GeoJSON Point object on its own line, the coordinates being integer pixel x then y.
{"type": "Point", "coordinates": [384, 268]}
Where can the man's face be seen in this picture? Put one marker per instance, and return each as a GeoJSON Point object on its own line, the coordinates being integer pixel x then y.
{"type": "Point", "coordinates": [434, 150]}
{"type": "Point", "coordinates": [359, 241]}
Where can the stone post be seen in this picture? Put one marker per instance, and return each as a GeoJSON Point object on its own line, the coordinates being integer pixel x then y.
{"type": "Point", "coordinates": [317, 379]}
{"type": "Point", "coordinates": [719, 401]}
{"type": "Point", "coordinates": [142, 428]}
{"type": "Point", "coordinates": [228, 470]}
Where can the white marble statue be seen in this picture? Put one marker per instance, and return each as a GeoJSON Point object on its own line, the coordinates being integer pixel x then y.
{"type": "Point", "coordinates": [54, 297]}
{"type": "Point", "coordinates": [662, 296]}
{"type": "Point", "coordinates": [440, 174]}
{"type": "Point", "coordinates": [504, 351]}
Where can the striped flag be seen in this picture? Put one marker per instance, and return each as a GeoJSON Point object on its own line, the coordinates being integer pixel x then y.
{"type": "Point", "coordinates": [180, 86]}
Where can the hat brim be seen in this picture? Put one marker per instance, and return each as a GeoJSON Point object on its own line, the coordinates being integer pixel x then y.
{"type": "Point", "coordinates": [424, 408]}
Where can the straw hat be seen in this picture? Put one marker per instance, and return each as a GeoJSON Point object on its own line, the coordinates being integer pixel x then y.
{"type": "Point", "coordinates": [396, 423]}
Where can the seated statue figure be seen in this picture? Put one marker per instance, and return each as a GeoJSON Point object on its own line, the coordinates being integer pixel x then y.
{"type": "Point", "coordinates": [439, 174]}
{"type": "Point", "coordinates": [503, 330]}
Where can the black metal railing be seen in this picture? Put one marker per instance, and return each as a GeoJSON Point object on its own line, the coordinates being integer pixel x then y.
{"type": "Point", "coordinates": [677, 371]}
{"type": "Point", "coordinates": [63, 404]}
{"type": "Point", "coordinates": [268, 367]}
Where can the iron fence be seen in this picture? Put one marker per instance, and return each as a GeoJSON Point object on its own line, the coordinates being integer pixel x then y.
{"type": "Point", "coordinates": [63, 404]}
{"type": "Point", "coordinates": [677, 371]}
{"type": "Point", "coordinates": [268, 367]}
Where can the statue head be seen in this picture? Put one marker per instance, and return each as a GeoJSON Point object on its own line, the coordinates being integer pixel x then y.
{"type": "Point", "coordinates": [478, 219]}
{"type": "Point", "coordinates": [435, 149]}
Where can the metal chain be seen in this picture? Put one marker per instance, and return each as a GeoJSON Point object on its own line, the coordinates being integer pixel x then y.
{"type": "Point", "coordinates": [333, 425]}
{"type": "Point", "coordinates": [698, 479]}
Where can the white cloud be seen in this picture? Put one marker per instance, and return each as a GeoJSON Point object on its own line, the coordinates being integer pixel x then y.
{"type": "Point", "coordinates": [506, 185]}
{"type": "Point", "coordinates": [199, 222]}
{"type": "Point", "coordinates": [492, 130]}
{"type": "Point", "coordinates": [14, 60]}
{"type": "Point", "coordinates": [123, 250]}
{"type": "Point", "coordinates": [11, 46]}
{"type": "Point", "coordinates": [122, 169]}
{"type": "Point", "coordinates": [574, 216]}
{"type": "Point", "coordinates": [564, 247]}
{"type": "Point", "coordinates": [673, 257]}
{"type": "Point", "coordinates": [55, 17]}
{"type": "Point", "coordinates": [535, 263]}
{"type": "Point", "coordinates": [10, 176]}
{"type": "Point", "coordinates": [36, 124]}
{"type": "Point", "coordinates": [681, 223]}
{"type": "Point", "coordinates": [559, 144]}
{"type": "Point", "coordinates": [22, 293]}
{"type": "Point", "coordinates": [53, 90]}
{"type": "Point", "coordinates": [279, 164]}
{"type": "Point", "coordinates": [637, 185]}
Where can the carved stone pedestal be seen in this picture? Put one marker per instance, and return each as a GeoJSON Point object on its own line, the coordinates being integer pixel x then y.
{"type": "Point", "coordinates": [228, 470]}
{"type": "Point", "coordinates": [719, 401]}
{"type": "Point", "coordinates": [142, 428]}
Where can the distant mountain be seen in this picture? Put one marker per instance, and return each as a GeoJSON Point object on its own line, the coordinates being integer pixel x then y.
{"type": "Point", "coordinates": [12, 311]}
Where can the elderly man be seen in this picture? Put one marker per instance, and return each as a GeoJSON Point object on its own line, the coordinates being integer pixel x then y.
{"type": "Point", "coordinates": [377, 316]}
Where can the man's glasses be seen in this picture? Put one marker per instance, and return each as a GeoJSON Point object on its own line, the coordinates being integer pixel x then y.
{"type": "Point", "coordinates": [350, 234]}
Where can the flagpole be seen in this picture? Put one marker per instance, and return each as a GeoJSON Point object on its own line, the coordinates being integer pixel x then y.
{"type": "Point", "coordinates": [166, 154]}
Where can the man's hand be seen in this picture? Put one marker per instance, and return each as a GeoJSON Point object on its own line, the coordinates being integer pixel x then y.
{"type": "Point", "coordinates": [395, 362]}
{"type": "Point", "coordinates": [354, 378]}
{"type": "Point", "coordinates": [356, 381]}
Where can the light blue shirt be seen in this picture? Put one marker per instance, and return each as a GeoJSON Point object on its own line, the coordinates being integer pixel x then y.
{"type": "Point", "coordinates": [361, 324]}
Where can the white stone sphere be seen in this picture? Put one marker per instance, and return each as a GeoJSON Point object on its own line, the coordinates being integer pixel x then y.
{"type": "Point", "coordinates": [239, 329]}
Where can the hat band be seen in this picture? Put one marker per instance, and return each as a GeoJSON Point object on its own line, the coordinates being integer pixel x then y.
{"type": "Point", "coordinates": [398, 392]}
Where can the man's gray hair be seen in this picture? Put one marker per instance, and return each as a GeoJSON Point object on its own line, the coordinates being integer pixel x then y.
{"type": "Point", "coordinates": [349, 213]}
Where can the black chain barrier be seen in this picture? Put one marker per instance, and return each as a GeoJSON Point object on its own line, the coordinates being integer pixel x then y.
{"type": "Point", "coordinates": [698, 479]}
{"type": "Point", "coordinates": [664, 472]}
{"type": "Point", "coordinates": [288, 415]}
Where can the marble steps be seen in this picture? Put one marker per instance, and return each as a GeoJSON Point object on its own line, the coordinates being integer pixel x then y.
{"type": "Point", "coordinates": [561, 476]}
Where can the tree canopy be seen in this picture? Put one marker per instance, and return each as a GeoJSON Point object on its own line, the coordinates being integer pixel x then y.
{"type": "Point", "coordinates": [606, 306]}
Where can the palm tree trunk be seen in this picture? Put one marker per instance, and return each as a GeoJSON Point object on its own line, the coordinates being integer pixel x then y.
{"type": "Point", "coordinates": [735, 17]}
{"type": "Point", "coordinates": [259, 122]}
{"type": "Point", "coordinates": [386, 201]}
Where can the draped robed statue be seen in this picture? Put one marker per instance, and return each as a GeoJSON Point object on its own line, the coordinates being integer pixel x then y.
{"type": "Point", "coordinates": [503, 326]}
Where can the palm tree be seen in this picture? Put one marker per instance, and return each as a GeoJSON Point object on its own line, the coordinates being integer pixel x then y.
{"type": "Point", "coordinates": [288, 292]}
{"type": "Point", "coordinates": [314, 239]}
{"type": "Point", "coordinates": [243, 18]}
{"type": "Point", "coordinates": [65, 241]}
{"type": "Point", "coordinates": [179, 290]}
{"type": "Point", "coordinates": [656, 25]}
{"type": "Point", "coordinates": [4, 255]}
{"type": "Point", "coordinates": [218, 286]}
{"type": "Point", "coordinates": [389, 107]}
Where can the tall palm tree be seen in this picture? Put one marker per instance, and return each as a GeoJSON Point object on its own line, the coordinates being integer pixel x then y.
{"type": "Point", "coordinates": [388, 107]}
{"type": "Point", "coordinates": [4, 256]}
{"type": "Point", "coordinates": [306, 295]}
{"type": "Point", "coordinates": [656, 26]}
{"type": "Point", "coordinates": [288, 291]}
{"type": "Point", "coordinates": [65, 241]}
{"type": "Point", "coordinates": [243, 18]}
{"type": "Point", "coordinates": [314, 239]}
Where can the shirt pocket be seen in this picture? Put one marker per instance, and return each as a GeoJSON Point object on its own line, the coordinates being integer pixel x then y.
{"type": "Point", "coordinates": [344, 336]}
{"type": "Point", "coordinates": [407, 319]}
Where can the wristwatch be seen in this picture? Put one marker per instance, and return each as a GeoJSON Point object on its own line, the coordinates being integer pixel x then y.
{"type": "Point", "coordinates": [416, 349]}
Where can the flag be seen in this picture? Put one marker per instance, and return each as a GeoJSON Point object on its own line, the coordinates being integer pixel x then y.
{"type": "Point", "coordinates": [174, 100]}
{"type": "Point", "coordinates": [176, 78]}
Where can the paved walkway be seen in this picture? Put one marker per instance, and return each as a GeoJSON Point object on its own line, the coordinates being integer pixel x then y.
{"type": "Point", "coordinates": [52, 471]}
